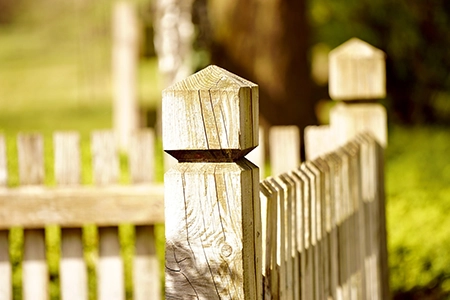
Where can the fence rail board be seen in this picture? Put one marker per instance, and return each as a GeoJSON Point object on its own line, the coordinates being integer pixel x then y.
{"type": "Point", "coordinates": [38, 206]}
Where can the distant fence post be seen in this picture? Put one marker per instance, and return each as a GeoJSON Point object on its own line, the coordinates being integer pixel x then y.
{"type": "Point", "coordinates": [357, 79]}
{"type": "Point", "coordinates": [212, 209]}
{"type": "Point", "coordinates": [124, 65]}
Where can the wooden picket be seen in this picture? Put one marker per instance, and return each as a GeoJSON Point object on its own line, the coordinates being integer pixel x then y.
{"type": "Point", "coordinates": [71, 205]}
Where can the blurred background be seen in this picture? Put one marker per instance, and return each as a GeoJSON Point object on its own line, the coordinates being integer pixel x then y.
{"type": "Point", "coordinates": [57, 73]}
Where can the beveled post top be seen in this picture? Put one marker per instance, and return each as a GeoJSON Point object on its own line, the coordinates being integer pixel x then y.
{"type": "Point", "coordinates": [211, 116]}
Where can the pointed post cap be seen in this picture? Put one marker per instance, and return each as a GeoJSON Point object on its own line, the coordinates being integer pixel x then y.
{"type": "Point", "coordinates": [212, 116]}
{"type": "Point", "coordinates": [357, 71]}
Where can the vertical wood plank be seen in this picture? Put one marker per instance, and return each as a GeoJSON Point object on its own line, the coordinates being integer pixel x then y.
{"type": "Point", "coordinates": [73, 269]}
{"type": "Point", "coordinates": [31, 172]}
{"type": "Point", "coordinates": [146, 280]}
{"type": "Point", "coordinates": [5, 264]}
{"type": "Point", "coordinates": [105, 160]}
{"type": "Point", "coordinates": [384, 267]}
{"type": "Point", "coordinates": [269, 240]}
{"type": "Point", "coordinates": [110, 273]}
{"type": "Point", "coordinates": [141, 156]}
{"type": "Point", "coordinates": [67, 163]}
{"type": "Point", "coordinates": [318, 141]}
{"type": "Point", "coordinates": [284, 148]}
{"type": "Point", "coordinates": [124, 67]}
{"type": "Point", "coordinates": [331, 164]}
{"type": "Point", "coordinates": [307, 258]}
{"type": "Point", "coordinates": [327, 223]}
{"type": "Point", "coordinates": [293, 258]}
{"type": "Point", "coordinates": [298, 225]}
{"type": "Point", "coordinates": [282, 238]}
{"type": "Point", "coordinates": [316, 235]}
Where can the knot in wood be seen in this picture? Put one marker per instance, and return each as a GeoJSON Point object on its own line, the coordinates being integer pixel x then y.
{"type": "Point", "coordinates": [226, 250]}
{"type": "Point", "coordinates": [212, 115]}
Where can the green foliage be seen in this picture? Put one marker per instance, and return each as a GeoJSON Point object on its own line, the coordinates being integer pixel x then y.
{"type": "Point", "coordinates": [418, 202]}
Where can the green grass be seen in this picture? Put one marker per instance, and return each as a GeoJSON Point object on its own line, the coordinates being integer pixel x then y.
{"type": "Point", "coordinates": [418, 202]}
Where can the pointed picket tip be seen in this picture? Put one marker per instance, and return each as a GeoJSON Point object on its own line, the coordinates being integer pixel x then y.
{"type": "Point", "coordinates": [211, 115]}
{"type": "Point", "coordinates": [356, 48]}
{"type": "Point", "coordinates": [357, 71]}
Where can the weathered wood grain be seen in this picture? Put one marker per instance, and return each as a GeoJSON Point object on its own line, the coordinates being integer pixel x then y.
{"type": "Point", "coordinates": [211, 115]}
{"type": "Point", "coordinates": [31, 172]}
{"type": "Point", "coordinates": [269, 213]}
{"type": "Point", "coordinates": [72, 268]}
{"type": "Point", "coordinates": [35, 207]}
{"type": "Point", "coordinates": [213, 234]}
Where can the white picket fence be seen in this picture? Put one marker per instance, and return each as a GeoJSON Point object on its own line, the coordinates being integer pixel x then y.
{"type": "Point", "coordinates": [313, 230]}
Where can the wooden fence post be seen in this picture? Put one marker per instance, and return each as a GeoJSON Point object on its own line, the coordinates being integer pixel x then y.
{"type": "Point", "coordinates": [125, 56]}
{"type": "Point", "coordinates": [357, 78]}
{"type": "Point", "coordinates": [212, 209]}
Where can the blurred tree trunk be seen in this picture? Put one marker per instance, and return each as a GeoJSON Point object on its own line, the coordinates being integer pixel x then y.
{"type": "Point", "coordinates": [266, 42]}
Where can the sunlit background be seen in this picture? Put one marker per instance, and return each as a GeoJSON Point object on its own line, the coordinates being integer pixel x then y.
{"type": "Point", "coordinates": [56, 74]}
